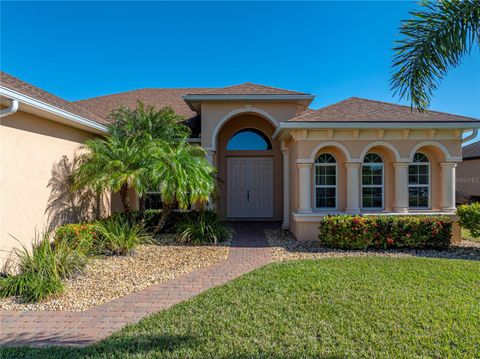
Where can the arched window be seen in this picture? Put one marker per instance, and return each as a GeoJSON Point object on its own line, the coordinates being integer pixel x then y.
{"type": "Point", "coordinates": [325, 182]}
{"type": "Point", "coordinates": [372, 181]}
{"type": "Point", "coordinates": [249, 139]}
{"type": "Point", "coordinates": [419, 182]}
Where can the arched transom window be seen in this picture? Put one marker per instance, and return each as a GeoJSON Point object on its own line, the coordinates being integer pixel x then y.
{"type": "Point", "coordinates": [372, 181]}
{"type": "Point", "coordinates": [419, 182]}
{"type": "Point", "coordinates": [325, 182]}
{"type": "Point", "coordinates": [249, 139]}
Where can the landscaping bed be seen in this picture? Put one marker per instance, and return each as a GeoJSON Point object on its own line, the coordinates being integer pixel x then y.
{"type": "Point", "coordinates": [109, 277]}
{"type": "Point", "coordinates": [369, 307]}
{"type": "Point", "coordinates": [285, 247]}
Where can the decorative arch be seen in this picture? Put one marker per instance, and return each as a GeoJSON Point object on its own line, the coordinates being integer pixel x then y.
{"type": "Point", "coordinates": [388, 145]}
{"type": "Point", "coordinates": [438, 145]}
{"type": "Point", "coordinates": [238, 111]}
{"type": "Point", "coordinates": [338, 145]}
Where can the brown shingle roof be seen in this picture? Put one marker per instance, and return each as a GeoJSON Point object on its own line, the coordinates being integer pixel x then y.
{"type": "Point", "coordinates": [158, 98]}
{"type": "Point", "coordinates": [249, 88]}
{"type": "Point", "coordinates": [27, 89]}
{"type": "Point", "coordinates": [472, 151]}
{"type": "Point", "coordinates": [356, 109]}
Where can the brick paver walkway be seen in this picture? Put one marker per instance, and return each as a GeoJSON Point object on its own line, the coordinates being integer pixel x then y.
{"type": "Point", "coordinates": [249, 251]}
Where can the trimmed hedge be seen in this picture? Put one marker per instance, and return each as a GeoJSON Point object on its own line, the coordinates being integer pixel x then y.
{"type": "Point", "coordinates": [470, 218]}
{"type": "Point", "coordinates": [361, 232]}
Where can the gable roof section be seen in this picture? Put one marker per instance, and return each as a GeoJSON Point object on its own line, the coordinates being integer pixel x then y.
{"type": "Point", "coordinates": [12, 83]}
{"type": "Point", "coordinates": [355, 109]}
{"type": "Point", "coordinates": [472, 151]}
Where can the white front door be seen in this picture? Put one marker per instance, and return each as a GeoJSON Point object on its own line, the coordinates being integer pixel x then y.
{"type": "Point", "coordinates": [250, 187]}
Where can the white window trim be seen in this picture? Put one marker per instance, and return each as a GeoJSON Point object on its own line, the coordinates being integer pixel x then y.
{"type": "Point", "coordinates": [421, 185]}
{"type": "Point", "coordinates": [325, 186]}
{"type": "Point", "coordinates": [382, 186]}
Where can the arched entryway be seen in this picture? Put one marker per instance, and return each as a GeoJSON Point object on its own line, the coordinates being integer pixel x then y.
{"type": "Point", "coordinates": [249, 169]}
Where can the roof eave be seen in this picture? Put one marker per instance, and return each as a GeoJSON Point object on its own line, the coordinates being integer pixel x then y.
{"type": "Point", "coordinates": [193, 101]}
{"type": "Point", "coordinates": [53, 112]}
{"type": "Point", "coordinates": [286, 126]}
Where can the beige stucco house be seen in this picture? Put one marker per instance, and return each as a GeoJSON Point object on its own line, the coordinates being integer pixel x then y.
{"type": "Point", "coordinates": [277, 159]}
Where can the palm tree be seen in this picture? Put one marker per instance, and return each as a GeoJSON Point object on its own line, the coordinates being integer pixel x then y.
{"type": "Point", "coordinates": [146, 121]}
{"type": "Point", "coordinates": [116, 164]}
{"type": "Point", "coordinates": [183, 175]}
{"type": "Point", "coordinates": [435, 39]}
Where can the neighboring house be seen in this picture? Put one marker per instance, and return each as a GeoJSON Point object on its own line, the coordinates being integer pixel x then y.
{"type": "Point", "coordinates": [468, 174]}
{"type": "Point", "coordinates": [276, 158]}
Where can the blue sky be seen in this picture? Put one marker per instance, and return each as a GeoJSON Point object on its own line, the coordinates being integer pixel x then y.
{"type": "Point", "coordinates": [331, 49]}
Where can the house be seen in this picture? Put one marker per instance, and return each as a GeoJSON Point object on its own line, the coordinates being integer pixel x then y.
{"type": "Point", "coordinates": [468, 174]}
{"type": "Point", "coordinates": [277, 159]}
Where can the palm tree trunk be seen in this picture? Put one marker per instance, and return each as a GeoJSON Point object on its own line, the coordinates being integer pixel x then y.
{"type": "Point", "coordinates": [125, 199]}
{"type": "Point", "coordinates": [141, 207]}
{"type": "Point", "coordinates": [166, 211]}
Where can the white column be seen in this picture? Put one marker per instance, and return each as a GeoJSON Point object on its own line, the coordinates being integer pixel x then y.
{"type": "Point", "coordinates": [304, 188]}
{"type": "Point", "coordinates": [210, 158]}
{"type": "Point", "coordinates": [448, 186]}
{"type": "Point", "coordinates": [353, 187]}
{"type": "Point", "coordinates": [286, 190]}
{"type": "Point", "coordinates": [401, 187]}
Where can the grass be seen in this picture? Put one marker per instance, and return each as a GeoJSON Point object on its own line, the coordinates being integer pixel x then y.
{"type": "Point", "coordinates": [331, 308]}
{"type": "Point", "coordinates": [467, 235]}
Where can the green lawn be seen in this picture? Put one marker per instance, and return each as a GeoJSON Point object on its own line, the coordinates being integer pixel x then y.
{"type": "Point", "coordinates": [467, 235]}
{"type": "Point", "coordinates": [330, 308]}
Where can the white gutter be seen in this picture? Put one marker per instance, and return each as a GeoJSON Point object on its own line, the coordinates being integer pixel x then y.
{"type": "Point", "coordinates": [376, 125]}
{"type": "Point", "coordinates": [11, 109]}
{"type": "Point", "coordinates": [30, 101]}
{"type": "Point", "coordinates": [471, 136]}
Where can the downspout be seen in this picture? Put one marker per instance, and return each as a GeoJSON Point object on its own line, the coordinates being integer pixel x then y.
{"type": "Point", "coordinates": [10, 110]}
{"type": "Point", "coordinates": [471, 136]}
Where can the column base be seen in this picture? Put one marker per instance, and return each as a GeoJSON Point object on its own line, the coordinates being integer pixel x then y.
{"type": "Point", "coordinates": [400, 209]}
{"type": "Point", "coordinates": [285, 226]}
{"type": "Point", "coordinates": [352, 210]}
{"type": "Point", "coordinates": [304, 211]}
{"type": "Point", "coordinates": [449, 209]}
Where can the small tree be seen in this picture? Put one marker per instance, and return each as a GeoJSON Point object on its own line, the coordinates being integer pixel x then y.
{"type": "Point", "coordinates": [117, 164]}
{"type": "Point", "coordinates": [183, 175]}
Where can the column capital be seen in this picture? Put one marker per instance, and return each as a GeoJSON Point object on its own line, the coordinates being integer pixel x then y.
{"type": "Point", "coordinates": [448, 164]}
{"type": "Point", "coordinates": [304, 164]}
{"type": "Point", "coordinates": [352, 164]}
{"type": "Point", "coordinates": [401, 164]}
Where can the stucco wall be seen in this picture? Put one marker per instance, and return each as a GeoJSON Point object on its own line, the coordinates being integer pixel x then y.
{"type": "Point", "coordinates": [29, 148]}
{"type": "Point", "coordinates": [468, 178]}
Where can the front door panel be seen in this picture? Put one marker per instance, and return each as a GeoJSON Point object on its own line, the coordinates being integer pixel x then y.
{"type": "Point", "coordinates": [250, 187]}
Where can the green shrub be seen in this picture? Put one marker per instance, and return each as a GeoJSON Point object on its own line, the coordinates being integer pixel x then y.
{"type": "Point", "coordinates": [119, 236]}
{"type": "Point", "coordinates": [82, 237]}
{"type": "Point", "coordinates": [202, 227]}
{"type": "Point", "coordinates": [470, 218]}
{"type": "Point", "coordinates": [356, 232]}
{"type": "Point", "coordinates": [41, 270]}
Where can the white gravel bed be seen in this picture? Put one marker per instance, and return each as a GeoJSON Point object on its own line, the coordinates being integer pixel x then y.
{"type": "Point", "coordinates": [106, 278]}
{"type": "Point", "coordinates": [285, 247]}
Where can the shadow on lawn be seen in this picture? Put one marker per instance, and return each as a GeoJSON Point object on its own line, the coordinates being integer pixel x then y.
{"type": "Point", "coordinates": [115, 346]}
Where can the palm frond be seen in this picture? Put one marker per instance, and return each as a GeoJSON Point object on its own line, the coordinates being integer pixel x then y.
{"type": "Point", "coordinates": [434, 40]}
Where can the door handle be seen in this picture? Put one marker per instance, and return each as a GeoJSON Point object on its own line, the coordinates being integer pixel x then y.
{"type": "Point", "coordinates": [248, 196]}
